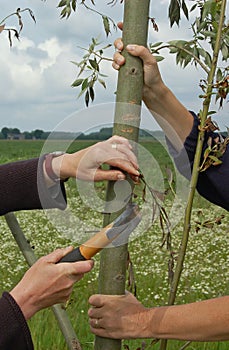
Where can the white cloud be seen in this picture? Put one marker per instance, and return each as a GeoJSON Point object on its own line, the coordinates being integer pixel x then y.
{"type": "Point", "coordinates": [36, 74]}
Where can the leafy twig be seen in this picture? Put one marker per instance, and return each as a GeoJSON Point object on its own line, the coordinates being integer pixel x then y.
{"type": "Point", "coordinates": [14, 31]}
{"type": "Point", "coordinates": [195, 171]}
{"type": "Point", "coordinates": [90, 64]}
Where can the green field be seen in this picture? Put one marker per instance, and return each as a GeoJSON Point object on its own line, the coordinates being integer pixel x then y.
{"type": "Point", "coordinates": [205, 273]}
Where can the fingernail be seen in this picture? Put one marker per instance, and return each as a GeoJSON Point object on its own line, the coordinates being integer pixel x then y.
{"type": "Point", "coordinates": [119, 46]}
{"type": "Point", "coordinates": [121, 177]}
{"type": "Point", "coordinates": [131, 47]}
{"type": "Point", "coordinates": [116, 66]}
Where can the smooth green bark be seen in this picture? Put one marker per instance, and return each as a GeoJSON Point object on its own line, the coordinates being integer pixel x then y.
{"type": "Point", "coordinates": [112, 274]}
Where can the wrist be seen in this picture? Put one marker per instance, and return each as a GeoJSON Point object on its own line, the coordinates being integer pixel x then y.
{"type": "Point", "coordinates": [153, 95]}
{"type": "Point", "coordinates": [52, 167]}
{"type": "Point", "coordinates": [24, 303]}
{"type": "Point", "coordinates": [148, 324]}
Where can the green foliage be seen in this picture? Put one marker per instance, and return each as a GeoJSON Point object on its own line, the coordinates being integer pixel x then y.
{"type": "Point", "coordinates": [90, 65]}
{"type": "Point", "coordinates": [199, 50]}
{"type": "Point", "coordinates": [70, 5]}
{"type": "Point", "coordinates": [175, 8]}
{"type": "Point", "coordinates": [213, 153]}
{"type": "Point", "coordinates": [204, 274]}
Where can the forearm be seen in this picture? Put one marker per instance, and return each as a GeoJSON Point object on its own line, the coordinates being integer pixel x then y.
{"type": "Point", "coordinates": [23, 186]}
{"type": "Point", "coordinates": [15, 332]}
{"type": "Point", "coordinates": [170, 114]}
{"type": "Point", "coordinates": [200, 321]}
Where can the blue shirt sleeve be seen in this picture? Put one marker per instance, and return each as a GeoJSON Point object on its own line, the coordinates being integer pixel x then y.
{"type": "Point", "coordinates": [213, 183]}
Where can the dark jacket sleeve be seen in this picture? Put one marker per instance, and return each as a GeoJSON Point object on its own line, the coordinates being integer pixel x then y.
{"type": "Point", "coordinates": [213, 184]}
{"type": "Point", "coordinates": [14, 331]}
{"type": "Point", "coordinates": [22, 186]}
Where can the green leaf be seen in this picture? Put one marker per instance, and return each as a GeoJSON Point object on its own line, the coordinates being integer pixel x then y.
{"type": "Point", "coordinates": [208, 60]}
{"type": "Point", "coordinates": [173, 42]}
{"type": "Point", "coordinates": [63, 12]}
{"type": "Point", "coordinates": [224, 51]}
{"type": "Point", "coordinates": [102, 82]}
{"type": "Point", "coordinates": [87, 98]}
{"type": "Point", "coordinates": [82, 92]}
{"type": "Point", "coordinates": [219, 75]}
{"type": "Point", "coordinates": [185, 9]}
{"type": "Point", "coordinates": [74, 5]}
{"type": "Point", "coordinates": [156, 44]}
{"type": "Point", "coordinates": [159, 58]}
{"type": "Point", "coordinates": [187, 60]}
{"type": "Point", "coordinates": [103, 75]}
{"type": "Point", "coordinates": [75, 63]}
{"type": "Point", "coordinates": [106, 25]}
{"type": "Point", "coordinates": [211, 112]}
{"type": "Point", "coordinates": [174, 12]}
{"type": "Point", "coordinates": [208, 33]}
{"type": "Point", "coordinates": [216, 161]}
{"type": "Point", "coordinates": [62, 3]}
{"type": "Point", "coordinates": [207, 152]}
{"type": "Point", "coordinates": [173, 50]}
{"type": "Point", "coordinates": [77, 82]}
{"type": "Point", "coordinates": [85, 84]}
{"type": "Point", "coordinates": [94, 65]}
{"type": "Point", "coordinates": [193, 7]}
{"type": "Point", "coordinates": [92, 93]}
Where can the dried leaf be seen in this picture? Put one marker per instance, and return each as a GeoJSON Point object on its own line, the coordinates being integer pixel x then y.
{"type": "Point", "coordinates": [19, 19]}
{"type": "Point", "coordinates": [32, 15]}
{"type": "Point", "coordinates": [169, 175]}
{"type": "Point", "coordinates": [2, 27]}
{"type": "Point", "coordinates": [10, 39]}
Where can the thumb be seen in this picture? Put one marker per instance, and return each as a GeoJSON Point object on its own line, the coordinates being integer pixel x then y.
{"type": "Point", "coordinates": [58, 254]}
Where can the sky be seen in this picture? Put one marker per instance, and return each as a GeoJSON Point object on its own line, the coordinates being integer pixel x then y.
{"type": "Point", "coordinates": [36, 73]}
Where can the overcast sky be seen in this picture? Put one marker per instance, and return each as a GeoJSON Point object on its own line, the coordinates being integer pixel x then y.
{"type": "Point", "coordinates": [36, 73]}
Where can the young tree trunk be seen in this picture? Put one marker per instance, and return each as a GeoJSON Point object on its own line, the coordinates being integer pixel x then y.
{"type": "Point", "coordinates": [113, 263]}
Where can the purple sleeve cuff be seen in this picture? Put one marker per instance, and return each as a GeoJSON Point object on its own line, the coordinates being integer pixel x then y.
{"type": "Point", "coordinates": [15, 333]}
{"type": "Point", "coordinates": [22, 187]}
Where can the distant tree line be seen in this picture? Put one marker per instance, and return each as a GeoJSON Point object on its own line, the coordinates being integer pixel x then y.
{"type": "Point", "coordinates": [38, 134]}
{"type": "Point", "coordinates": [105, 133]}
{"type": "Point", "coordinates": [101, 134]}
{"type": "Point", "coordinates": [15, 134]}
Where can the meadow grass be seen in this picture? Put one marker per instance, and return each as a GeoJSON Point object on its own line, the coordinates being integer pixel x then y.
{"type": "Point", "coordinates": [205, 273]}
